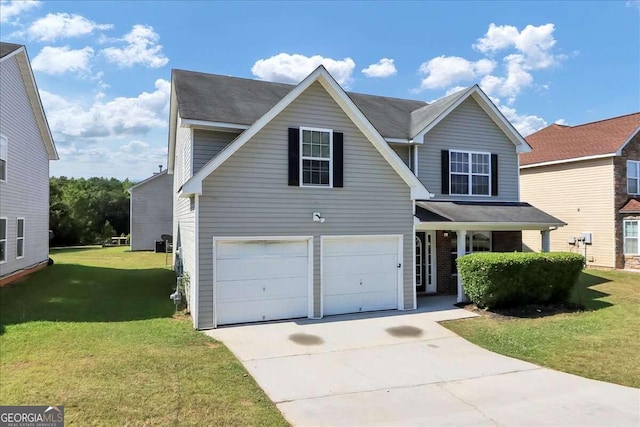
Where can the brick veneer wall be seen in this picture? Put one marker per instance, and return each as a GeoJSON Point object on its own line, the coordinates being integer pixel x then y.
{"type": "Point", "coordinates": [630, 152]}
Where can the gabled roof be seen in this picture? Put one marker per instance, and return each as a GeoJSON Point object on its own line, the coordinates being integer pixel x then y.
{"type": "Point", "coordinates": [225, 99]}
{"type": "Point", "coordinates": [426, 118]}
{"type": "Point", "coordinates": [145, 181]}
{"type": "Point", "coordinates": [321, 75]}
{"type": "Point", "coordinates": [559, 144]}
{"type": "Point", "coordinates": [9, 50]}
{"type": "Point", "coordinates": [632, 206]}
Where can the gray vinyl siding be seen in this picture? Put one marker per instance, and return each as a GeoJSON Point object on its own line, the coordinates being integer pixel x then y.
{"type": "Point", "coordinates": [469, 128]}
{"type": "Point", "coordinates": [404, 152]}
{"type": "Point", "coordinates": [151, 211]}
{"type": "Point", "coordinates": [248, 195]}
{"type": "Point", "coordinates": [183, 215]}
{"type": "Point", "coordinates": [207, 145]}
{"type": "Point", "coordinates": [26, 192]}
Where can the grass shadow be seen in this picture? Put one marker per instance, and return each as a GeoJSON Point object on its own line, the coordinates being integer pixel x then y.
{"type": "Point", "coordinates": [584, 294]}
{"type": "Point", "coordinates": [80, 293]}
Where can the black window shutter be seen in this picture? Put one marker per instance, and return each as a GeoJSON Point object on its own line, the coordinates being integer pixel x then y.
{"type": "Point", "coordinates": [494, 174]}
{"type": "Point", "coordinates": [445, 172]}
{"type": "Point", "coordinates": [294, 156]}
{"type": "Point", "coordinates": [338, 159]}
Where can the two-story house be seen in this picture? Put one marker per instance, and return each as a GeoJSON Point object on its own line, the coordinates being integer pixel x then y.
{"type": "Point", "coordinates": [588, 176]}
{"type": "Point", "coordinates": [307, 201]}
{"type": "Point", "coordinates": [26, 147]}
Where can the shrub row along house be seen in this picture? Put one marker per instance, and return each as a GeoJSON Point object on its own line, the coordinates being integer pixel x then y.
{"type": "Point", "coordinates": [588, 176]}
{"type": "Point", "coordinates": [26, 147]}
{"type": "Point", "coordinates": [306, 200]}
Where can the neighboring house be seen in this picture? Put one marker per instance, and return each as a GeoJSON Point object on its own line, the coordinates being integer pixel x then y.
{"type": "Point", "coordinates": [589, 177]}
{"type": "Point", "coordinates": [151, 212]}
{"type": "Point", "coordinates": [26, 147]}
{"type": "Point", "coordinates": [307, 201]}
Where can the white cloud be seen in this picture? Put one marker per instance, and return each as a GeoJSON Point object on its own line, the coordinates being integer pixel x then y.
{"type": "Point", "coordinates": [287, 68]}
{"type": "Point", "coordinates": [63, 25]}
{"type": "Point", "coordinates": [454, 89]}
{"type": "Point", "coordinates": [443, 71]}
{"type": "Point", "coordinates": [10, 9]}
{"type": "Point", "coordinates": [510, 85]}
{"type": "Point", "coordinates": [384, 68]}
{"type": "Point", "coordinates": [525, 124]}
{"type": "Point", "coordinates": [119, 117]}
{"type": "Point", "coordinates": [562, 122]}
{"type": "Point", "coordinates": [141, 48]}
{"type": "Point", "coordinates": [59, 60]}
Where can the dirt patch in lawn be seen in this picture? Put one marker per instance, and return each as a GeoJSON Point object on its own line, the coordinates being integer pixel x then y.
{"type": "Point", "coordinates": [532, 311]}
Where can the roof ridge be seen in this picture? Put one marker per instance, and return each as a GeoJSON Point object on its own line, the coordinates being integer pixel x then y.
{"type": "Point", "coordinates": [604, 120]}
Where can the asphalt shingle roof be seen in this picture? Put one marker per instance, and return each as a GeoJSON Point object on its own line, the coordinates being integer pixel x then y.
{"type": "Point", "coordinates": [558, 142]}
{"type": "Point", "coordinates": [484, 212]}
{"type": "Point", "coordinates": [217, 98]}
{"type": "Point", "coordinates": [7, 48]}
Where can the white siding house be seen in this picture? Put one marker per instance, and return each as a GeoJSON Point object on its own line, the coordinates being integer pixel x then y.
{"type": "Point", "coordinates": [26, 147]}
{"type": "Point", "coordinates": [151, 211]}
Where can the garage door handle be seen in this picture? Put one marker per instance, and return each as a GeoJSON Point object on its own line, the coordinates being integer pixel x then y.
{"type": "Point", "coordinates": [399, 265]}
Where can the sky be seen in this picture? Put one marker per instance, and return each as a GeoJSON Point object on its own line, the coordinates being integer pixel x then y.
{"type": "Point", "coordinates": [103, 68]}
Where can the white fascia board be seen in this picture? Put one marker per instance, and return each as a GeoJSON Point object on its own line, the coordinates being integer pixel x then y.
{"type": "Point", "coordinates": [402, 141]}
{"type": "Point", "coordinates": [484, 226]}
{"type": "Point", "coordinates": [191, 123]}
{"type": "Point", "coordinates": [144, 181]}
{"type": "Point", "coordinates": [35, 101]}
{"type": "Point", "coordinates": [174, 122]}
{"type": "Point", "coordinates": [194, 185]}
{"type": "Point", "coordinates": [489, 107]}
{"type": "Point", "coordinates": [576, 159]}
{"type": "Point", "coordinates": [627, 141]}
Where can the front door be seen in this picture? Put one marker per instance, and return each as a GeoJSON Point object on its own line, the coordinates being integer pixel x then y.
{"type": "Point", "coordinates": [426, 262]}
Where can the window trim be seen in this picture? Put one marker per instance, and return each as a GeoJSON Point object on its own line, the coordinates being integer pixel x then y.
{"type": "Point", "coordinates": [636, 163]}
{"type": "Point", "coordinates": [470, 174]}
{"type": "Point", "coordinates": [4, 147]}
{"type": "Point", "coordinates": [303, 157]}
{"type": "Point", "coordinates": [18, 238]}
{"type": "Point", "coordinates": [6, 231]}
{"type": "Point", "coordinates": [624, 237]}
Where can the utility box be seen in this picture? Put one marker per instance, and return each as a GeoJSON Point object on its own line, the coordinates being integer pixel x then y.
{"type": "Point", "coordinates": [161, 246]}
{"type": "Point", "coordinates": [586, 236]}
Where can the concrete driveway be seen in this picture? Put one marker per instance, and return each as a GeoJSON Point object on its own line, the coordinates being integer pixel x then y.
{"type": "Point", "coordinates": [403, 368]}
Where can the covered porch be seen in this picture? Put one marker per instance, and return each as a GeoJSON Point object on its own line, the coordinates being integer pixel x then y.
{"type": "Point", "coordinates": [447, 230]}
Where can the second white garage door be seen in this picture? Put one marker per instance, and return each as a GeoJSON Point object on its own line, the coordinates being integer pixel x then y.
{"type": "Point", "coordinates": [258, 280]}
{"type": "Point", "coordinates": [360, 273]}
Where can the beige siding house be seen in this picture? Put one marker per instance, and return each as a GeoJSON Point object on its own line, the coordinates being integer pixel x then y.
{"type": "Point", "coordinates": [26, 147]}
{"type": "Point", "coordinates": [587, 176]}
{"type": "Point", "coordinates": [307, 201]}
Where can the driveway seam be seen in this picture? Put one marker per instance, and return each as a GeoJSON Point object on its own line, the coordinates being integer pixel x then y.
{"type": "Point", "coordinates": [441, 386]}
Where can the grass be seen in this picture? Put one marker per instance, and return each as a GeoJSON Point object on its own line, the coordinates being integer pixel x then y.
{"type": "Point", "coordinates": [97, 333]}
{"type": "Point", "coordinates": [602, 342]}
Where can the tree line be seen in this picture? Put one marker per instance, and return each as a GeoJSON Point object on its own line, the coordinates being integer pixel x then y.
{"type": "Point", "coordinates": [88, 211]}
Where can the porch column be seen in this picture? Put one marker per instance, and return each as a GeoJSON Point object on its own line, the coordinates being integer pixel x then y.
{"type": "Point", "coordinates": [462, 238]}
{"type": "Point", "coordinates": [546, 240]}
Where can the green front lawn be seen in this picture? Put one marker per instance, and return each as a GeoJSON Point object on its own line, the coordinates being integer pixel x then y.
{"type": "Point", "coordinates": [97, 333]}
{"type": "Point", "coordinates": [602, 342]}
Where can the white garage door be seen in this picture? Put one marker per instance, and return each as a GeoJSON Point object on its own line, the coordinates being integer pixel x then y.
{"type": "Point", "coordinates": [261, 280]}
{"type": "Point", "coordinates": [360, 274]}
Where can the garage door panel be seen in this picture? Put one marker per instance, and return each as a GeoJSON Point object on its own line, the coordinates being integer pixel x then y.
{"type": "Point", "coordinates": [362, 246]}
{"type": "Point", "coordinates": [358, 283]}
{"type": "Point", "coordinates": [258, 311]}
{"type": "Point", "coordinates": [257, 268]}
{"type": "Point", "coordinates": [261, 248]}
{"type": "Point", "coordinates": [385, 300]}
{"type": "Point", "coordinates": [357, 264]}
{"type": "Point", "coordinates": [261, 289]}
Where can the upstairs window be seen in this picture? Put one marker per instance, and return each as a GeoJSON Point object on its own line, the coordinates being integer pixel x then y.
{"type": "Point", "coordinates": [20, 238]}
{"type": "Point", "coordinates": [3, 240]}
{"type": "Point", "coordinates": [316, 157]}
{"type": "Point", "coordinates": [4, 143]}
{"type": "Point", "coordinates": [470, 173]}
{"type": "Point", "coordinates": [633, 177]}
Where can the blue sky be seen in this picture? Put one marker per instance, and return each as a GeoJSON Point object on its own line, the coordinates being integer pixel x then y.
{"type": "Point", "coordinates": [103, 68]}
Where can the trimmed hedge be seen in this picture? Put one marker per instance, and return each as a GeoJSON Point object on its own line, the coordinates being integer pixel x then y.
{"type": "Point", "coordinates": [493, 280]}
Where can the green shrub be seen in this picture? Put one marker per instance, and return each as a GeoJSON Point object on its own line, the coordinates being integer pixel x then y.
{"type": "Point", "coordinates": [493, 280]}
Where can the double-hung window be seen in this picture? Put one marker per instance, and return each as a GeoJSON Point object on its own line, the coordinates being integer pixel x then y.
{"type": "Point", "coordinates": [3, 240]}
{"type": "Point", "coordinates": [4, 147]}
{"type": "Point", "coordinates": [633, 177]}
{"type": "Point", "coordinates": [470, 173]}
{"type": "Point", "coordinates": [20, 238]}
{"type": "Point", "coordinates": [631, 239]}
{"type": "Point", "coordinates": [316, 166]}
